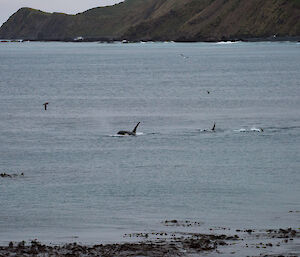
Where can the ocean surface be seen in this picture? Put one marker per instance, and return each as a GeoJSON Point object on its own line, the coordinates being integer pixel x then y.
{"type": "Point", "coordinates": [84, 183]}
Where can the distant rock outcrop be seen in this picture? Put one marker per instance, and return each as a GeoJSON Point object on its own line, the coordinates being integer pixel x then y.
{"type": "Point", "coordinates": [160, 20]}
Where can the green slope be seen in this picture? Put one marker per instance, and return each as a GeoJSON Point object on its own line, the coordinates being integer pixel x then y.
{"type": "Point", "coordinates": [195, 20]}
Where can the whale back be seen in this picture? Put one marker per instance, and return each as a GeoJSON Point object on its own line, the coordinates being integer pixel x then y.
{"type": "Point", "coordinates": [124, 132]}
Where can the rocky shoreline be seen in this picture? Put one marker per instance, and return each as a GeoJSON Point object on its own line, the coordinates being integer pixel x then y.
{"type": "Point", "coordinates": [246, 242]}
{"type": "Point", "coordinates": [121, 40]}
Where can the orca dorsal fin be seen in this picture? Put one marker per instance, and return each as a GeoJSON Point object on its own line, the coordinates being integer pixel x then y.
{"type": "Point", "coordinates": [134, 130]}
{"type": "Point", "coordinates": [213, 128]}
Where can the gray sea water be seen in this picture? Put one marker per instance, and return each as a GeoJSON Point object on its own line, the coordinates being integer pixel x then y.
{"type": "Point", "coordinates": [83, 183]}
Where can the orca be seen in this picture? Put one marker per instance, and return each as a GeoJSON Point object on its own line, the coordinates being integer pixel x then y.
{"type": "Point", "coordinates": [185, 57]}
{"type": "Point", "coordinates": [212, 129]}
{"type": "Point", "coordinates": [45, 105]}
{"type": "Point", "coordinates": [128, 133]}
{"type": "Point", "coordinates": [257, 129]}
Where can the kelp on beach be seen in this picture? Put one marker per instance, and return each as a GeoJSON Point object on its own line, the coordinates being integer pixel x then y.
{"type": "Point", "coordinates": [169, 244]}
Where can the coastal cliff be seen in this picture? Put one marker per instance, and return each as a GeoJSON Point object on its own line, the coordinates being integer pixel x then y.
{"type": "Point", "coordinates": [161, 20]}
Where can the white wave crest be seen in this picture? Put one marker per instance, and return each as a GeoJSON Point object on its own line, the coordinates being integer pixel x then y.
{"type": "Point", "coordinates": [227, 42]}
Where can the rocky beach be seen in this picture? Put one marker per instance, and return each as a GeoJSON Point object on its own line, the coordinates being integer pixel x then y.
{"type": "Point", "coordinates": [218, 242]}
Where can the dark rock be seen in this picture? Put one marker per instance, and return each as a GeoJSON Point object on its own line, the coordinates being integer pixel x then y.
{"type": "Point", "coordinates": [21, 245]}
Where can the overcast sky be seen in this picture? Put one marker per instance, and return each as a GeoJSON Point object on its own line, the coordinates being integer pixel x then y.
{"type": "Point", "coordinates": [9, 7]}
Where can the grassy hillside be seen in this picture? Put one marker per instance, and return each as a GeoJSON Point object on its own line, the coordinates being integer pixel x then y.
{"type": "Point", "coordinates": [188, 20]}
{"type": "Point", "coordinates": [102, 22]}
{"type": "Point", "coordinates": [221, 19]}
